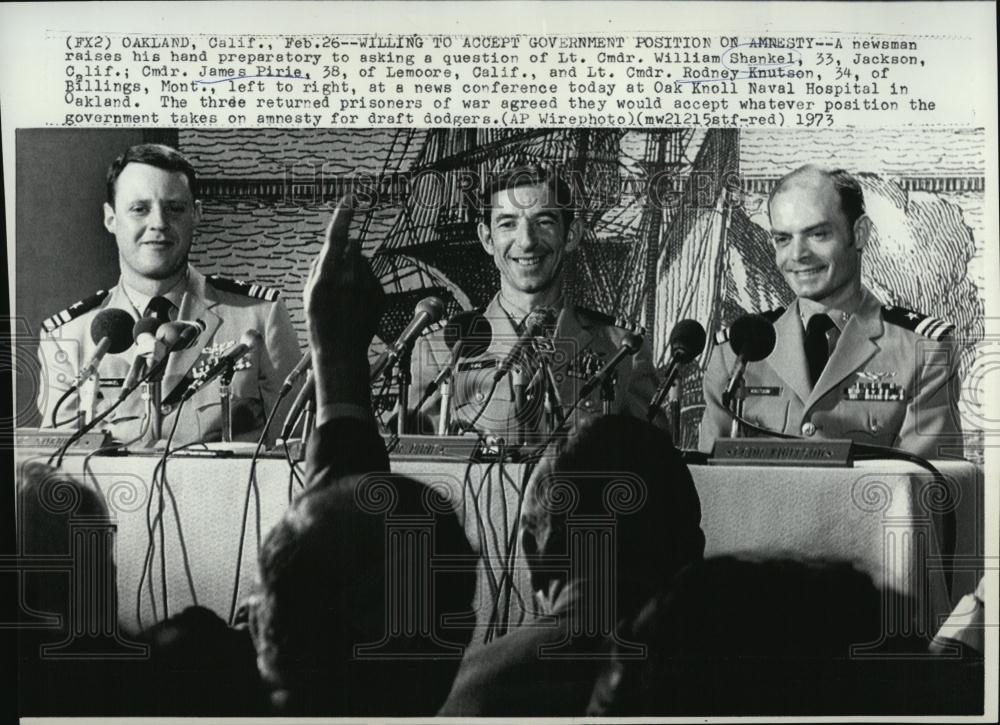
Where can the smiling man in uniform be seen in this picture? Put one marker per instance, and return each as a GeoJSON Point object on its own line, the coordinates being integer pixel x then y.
{"type": "Point", "coordinates": [529, 227]}
{"type": "Point", "coordinates": [152, 210]}
{"type": "Point", "coordinates": [844, 365]}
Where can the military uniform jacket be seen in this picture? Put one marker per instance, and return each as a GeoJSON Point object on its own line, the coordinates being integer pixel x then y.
{"type": "Point", "coordinates": [891, 380]}
{"type": "Point", "coordinates": [583, 340]}
{"type": "Point", "coordinates": [228, 308]}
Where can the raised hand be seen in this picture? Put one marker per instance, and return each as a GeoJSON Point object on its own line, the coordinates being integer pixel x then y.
{"type": "Point", "coordinates": [343, 300]}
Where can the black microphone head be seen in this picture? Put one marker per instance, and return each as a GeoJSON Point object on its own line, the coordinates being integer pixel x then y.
{"type": "Point", "coordinates": [633, 342]}
{"type": "Point", "coordinates": [687, 340]}
{"type": "Point", "coordinates": [471, 329]}
{"type": "Point", "coordinates": [753, 337]}
{"type": "Point", "coordinates": [145, 325]}
{"type": "Point", "coordinates": [180, 334]}
{"type": "Point", "coordinates": [114, 324]}
{"type": "Point", "coordinates": [433, 307]}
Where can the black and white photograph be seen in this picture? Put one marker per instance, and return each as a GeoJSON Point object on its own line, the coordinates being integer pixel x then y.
{"type": "Point", "coordinates": [499, 419]}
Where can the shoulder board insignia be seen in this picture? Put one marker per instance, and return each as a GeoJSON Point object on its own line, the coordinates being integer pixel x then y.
{"type": "Point", "coordinates": [598, 317]}
{"type": "Point", "coordinates": [773, 315]}
{"type": "Point", "coordinates": [74, 310]}
{"type": "Point", "coordinates": [248, 289]}
{"type": "Point", "coordinates": [931, 327]}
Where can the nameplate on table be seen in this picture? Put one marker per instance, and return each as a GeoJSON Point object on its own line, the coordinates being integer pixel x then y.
{"type": "Point", "coordinates": [464, 448]}
{"type": "Point", "coordinates": [782, 452]}
{"type": "Point", "coordinates": [54, 438]}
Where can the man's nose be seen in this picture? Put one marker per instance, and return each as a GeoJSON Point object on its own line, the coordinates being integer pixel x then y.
{"type": "Point", "coordinates": [526, 237]}
{"type": "Point", "coordinates": [800, 247]}
{"type": "Point", "coordinates": [157, 217]}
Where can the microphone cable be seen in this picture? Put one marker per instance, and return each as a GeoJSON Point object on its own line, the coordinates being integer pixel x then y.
{"type": "Point", "coordinates": [253, 488]}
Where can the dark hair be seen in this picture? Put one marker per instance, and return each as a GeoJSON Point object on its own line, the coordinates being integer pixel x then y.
{"type": "Point", "coordinates": [152, 154]}
{"type": "Point", "coordinates": [324, 577]}
{"type": "Point", "coordinates": [529, 175]}
{"type": "Point", "coordinates": [627, 468]}
{"type": "Point", "coordinates": [852, 198]}
{"type": "Point", "coordinates": [741, 635]}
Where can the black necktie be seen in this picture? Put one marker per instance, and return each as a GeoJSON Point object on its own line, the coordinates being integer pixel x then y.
{"type": "Point", "coordinates": [817, 345]}
{"type": "Point", "coordinates": [159, 308]}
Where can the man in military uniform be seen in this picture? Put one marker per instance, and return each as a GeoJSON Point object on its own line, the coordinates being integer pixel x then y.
{"type": "Point", "coordinates": [152, 210]}
{"type": "Point", "coordinates": [529, 227]}
{"type": "Point", "coordinates": [844, 365]}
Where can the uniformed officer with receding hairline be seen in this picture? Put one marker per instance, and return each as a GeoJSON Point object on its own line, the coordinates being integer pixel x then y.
{"type": "Point", "coordinates": [152, 210]}
{"type": "Point", "coordinates": [844, 365]}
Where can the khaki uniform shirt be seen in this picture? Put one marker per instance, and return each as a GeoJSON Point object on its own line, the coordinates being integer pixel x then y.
{"type": "Point", "coordinates": [892, 380]}
{"type": "Point", "coordinates": [228, 309]}
{"type": "Point", "coordinates": [582, 342]}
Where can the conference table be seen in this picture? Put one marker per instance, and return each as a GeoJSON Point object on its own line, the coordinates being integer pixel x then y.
{"type": "Point", "coordinates": [188, 531]}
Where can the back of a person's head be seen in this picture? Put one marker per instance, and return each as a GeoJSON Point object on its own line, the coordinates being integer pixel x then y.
{"type": "Point", "coordinates": [328, 575]}
{"type": "Point", "coordinates": [734, 636]}
{"type": "Point", "coordinates": [628, 471]}
{"type": "Point", "coordinates": [197, 665]}
{"type": "Point", "coordinates": [51, 505]}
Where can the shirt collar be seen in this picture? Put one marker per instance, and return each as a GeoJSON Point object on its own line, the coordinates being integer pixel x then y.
{"type": "Point", "coordinates": [841, 314]}
{"type": "Point", "coordinates": [140, 300]}
{"type": "Point", "coordinates": [517, 316]}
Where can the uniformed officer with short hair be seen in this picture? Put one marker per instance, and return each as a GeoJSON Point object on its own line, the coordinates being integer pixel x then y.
{"type": "Point", "coordinates": [529, 227]}
{"type": "Point", "coordinates": [152, 210]}
{"type": "Point", "coordinates": [844, 365]}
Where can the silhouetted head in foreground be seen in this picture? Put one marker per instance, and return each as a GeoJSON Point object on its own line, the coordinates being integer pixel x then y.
{"type": "Point", "coordinates": [624, 478]}
{"type": "Point", "coordinates": [773, 637]}
{"type": "Point", "coordinates": [350, 615]}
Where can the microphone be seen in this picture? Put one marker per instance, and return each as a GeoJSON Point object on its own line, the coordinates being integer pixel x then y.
{"type": "Point", "coordinates": [428, 311]}
{"type": "Point", "coordinates": [752, 338]}
{"type": "Point", "coordinates": [111, 331]}
{"type": "Point", "coordinates": [306, 395]}
{"type": "Point", "coordinates": [631, 344]}
{"type": "Point", "coordinates": [144, 334]}
{"type": "Point", "coordinates": [180, 335]}
{"type": "Point", "coordinates": [534, 326]}
{"type": "Point", "coordinates": [251, 340]}
{"type": "Point", "coordinates": [303, 366]}
{"type": "Point", "coordinates": [687, 340]}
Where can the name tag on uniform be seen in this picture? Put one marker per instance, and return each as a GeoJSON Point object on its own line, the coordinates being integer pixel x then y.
{"type": "Point", "coordinates": [477, 365]}
{"type": "Point", "coordinates": [762, 390]}
{"type": "Point", "coordinates": [112, 382]}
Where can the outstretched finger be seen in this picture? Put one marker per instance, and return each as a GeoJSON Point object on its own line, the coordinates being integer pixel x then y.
{"type": "Point", "coordinates": [338, 244]}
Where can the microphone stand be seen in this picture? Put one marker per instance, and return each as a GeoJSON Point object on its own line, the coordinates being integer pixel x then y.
{"type": "Point", "coordinates": [608, 393]}
{"type": "Point", "coordinates": [404, 377]}
{"type": "Point", "coordinates": [519, 384]}
{"type": "Point", "coordinates": [226, 402]}
{"type": "Point", "coordinates": [736, 408]}
{"type": "Point", "coordinates": [152, 394]}
{"type": "Point", "coordinates": [444, 419]}
{"type": "Point", "coordinates": [308, 423]}
{"type": "Point", "coordinates": [674, 406]}
{"type": "Point", "coordinates": [555, 407]}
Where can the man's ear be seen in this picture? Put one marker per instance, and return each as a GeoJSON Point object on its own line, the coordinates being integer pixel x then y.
{"type": "Point", "coordinates": [197, 213]}
{"type": "Point", "coordinates": [485, 238]}
{"type": "Point", "coordinates": [574, 235]}
{"type": "Point", "coordinates": [109, 217]}
{"type": "Point", "coordinates": [862, 231]}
